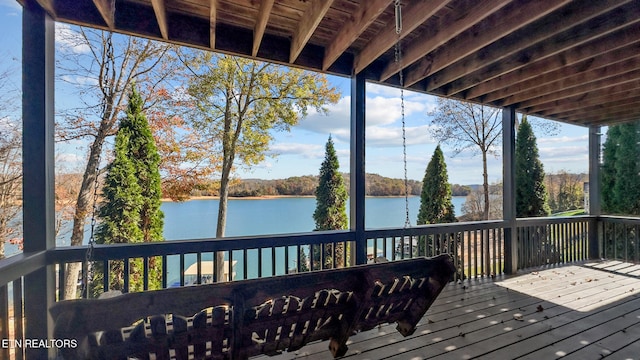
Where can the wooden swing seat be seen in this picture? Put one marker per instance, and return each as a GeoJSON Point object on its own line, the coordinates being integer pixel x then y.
{"type": "Point", "coordinates": [240, 319]}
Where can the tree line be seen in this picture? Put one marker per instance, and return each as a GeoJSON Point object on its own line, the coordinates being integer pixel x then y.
{"type": "Point", "coordinates": [376, 185]}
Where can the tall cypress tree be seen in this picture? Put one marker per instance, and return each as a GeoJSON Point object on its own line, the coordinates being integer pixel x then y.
{"type": "Point", "coordinates": [131, 212]}
{"type": "Point", "coordinates": [143, 153]}
{"type": "Point", "coordinates": [331, 204]}
{"type": "Point", "coordinates": [609, 155]}
{"type": "Point", "coordinates": [435, 199]}
{"type": "Point", "coordinates": [621, 182]}
{"type": "Point", "coordinates": [531, 193]}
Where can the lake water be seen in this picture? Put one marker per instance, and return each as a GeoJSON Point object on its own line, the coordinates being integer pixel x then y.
{"type": "Point", "coordinates": [197, 218]}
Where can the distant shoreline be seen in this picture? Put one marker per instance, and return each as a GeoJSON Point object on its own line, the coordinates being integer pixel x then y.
{"type": "Point", "coordinates": [269, 197]}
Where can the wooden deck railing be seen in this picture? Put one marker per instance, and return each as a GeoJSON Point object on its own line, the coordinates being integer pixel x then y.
{"type": "Point", "coordinates": [552, 240]}
{"type": "Point", "coordinates": [620, 238]}
{"type": "Point", "coordinates": [477, 248]}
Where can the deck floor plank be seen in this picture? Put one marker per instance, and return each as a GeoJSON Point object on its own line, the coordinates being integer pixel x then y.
{"type": "Point", "coordinates": [582, 312]}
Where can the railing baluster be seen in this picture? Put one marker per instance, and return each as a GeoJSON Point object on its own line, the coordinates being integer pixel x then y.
{"type": "Point", "coordinates": [127, 273]}
{"type": "Point", "coordinates": [61, 280]}
{"type": "Point", "coordinates": [4, 320]}
{"type": "Point", "coordinates": [18, 330]}
{"type": "Point", "coordinates": [145, 273]}
{"type": "Point", "coordinates": [165, 272]}
{"type": "Point", "coordinates": [260, 262]}
{"type": "Point", "coordinates": [230, 267]}
{"type": "Point", "coordinates": [106, 273]}
{"type": "Point", "coordinates": [182, 269]}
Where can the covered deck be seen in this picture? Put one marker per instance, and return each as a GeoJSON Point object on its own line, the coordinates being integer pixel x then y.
{"type": "Point", "coordinates": [588, 310]}
{"type": "Point", "coordinates": [524, 287]}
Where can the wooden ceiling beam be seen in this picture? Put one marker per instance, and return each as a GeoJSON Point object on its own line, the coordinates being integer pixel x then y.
{"type": "Point", "coordinates": [160, 10]}
{"type": "Point", "coordinates": [413, 15]}
{"type": "Point", "coordinates": [595, 54]}
{"type": "Point", "coordinates": [594, 104]}
{"type": "Point", "coordinates": [307, 25]}
{"type": "Point", "coordinates": [601, 109]}
{"type": "Point", "coordinates": [213, 18]}
{"type": "Point", "coordinates": [358, 22]}
{"type": "Point", "coordinates": [571, 26]}
{"type": "Point", "coordinates": [438, 33]}
{"type": "Point", "coordinates": [496, 26]}
{"type": "Point", "coordinates": [107, 9]}
{"type": "Point", "coordinates": [624, 115]}
{"type": "Point", "coordinates": [579, 79]}
{"type": "Point", "coordinates": [261, 25]}
{"type": "Point", "coordinates": [583, 93]}
{"type": "Point", "coordinates": [49, 6]}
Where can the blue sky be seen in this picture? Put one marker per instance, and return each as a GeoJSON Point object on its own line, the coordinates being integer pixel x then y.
{"type": "Point", "coordinates": [301, 151]}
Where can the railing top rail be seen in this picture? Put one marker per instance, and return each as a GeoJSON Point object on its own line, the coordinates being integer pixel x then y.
{"type": "Point", "coordinates": [620, 219]}
{"type": "Point", "coordinates": [19, 265]}
{"type": "Point", "coordinates": [177, 247]}
{"type": "Point", "coordinates": [553, 220]}
{"type": "Point", "coordinates": [432, 229]}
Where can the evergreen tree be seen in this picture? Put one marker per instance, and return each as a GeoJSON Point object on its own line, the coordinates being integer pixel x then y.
{"type": "Point", "coordinates": [435, 198]}
{"type": "Point", "coordinates": [143, 153]}
{"type": "Point", "coordinates": [621, 169]}
{"type": "Point", "coordinates": [131, 212]}
{"type": "Point", "coordinates": [119, 215]}
{"type": "Point", "coordinates": [531, 193]}
{"type": "Point", "coordinates": [609, 170]}
{"type": "Point", "coordinates": [331, 203]}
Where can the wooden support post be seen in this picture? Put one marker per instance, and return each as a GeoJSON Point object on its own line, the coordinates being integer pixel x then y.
{"type": "Point", "coordinates": [509, 190]}
{"type": "Point", "coordinates": [38, 56]}
{"type": "Point", "coordinates": [357, 173]}
{"type": "Point", "coordinates": [594, 192]}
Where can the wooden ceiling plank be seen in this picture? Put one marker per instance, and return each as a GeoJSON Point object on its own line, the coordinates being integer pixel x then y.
{"type": "Point", "coordinates": [600, 109]}
{"type": "Point", "coordinates": [578, 79]}
{"type": "Point", "coordinates": [308, 24]}
{"type": "Point", "coordinates": [445, 29]}
{"type": "Point", "coordinates": [628, 114]}
{"type": "Point", "coordinates": [569, 105]}
{"type": "Point", "coordinates": [413, 15]}
{"type": "Point", "coordinates": [160, 10]}
{"type": "Point", "coordinates": [496, 26]}
{"type": "Point", "coordinates": [213, 18]}
{"type": "Point", "coordinates": [107, 9]}
{"type": "Point", "coordinates": [49, 6]}
{"type": "Point", "coordinates": [569, 27]}
{"type": "Point", "coordinates": [583, 93]}
{"type": "Point", "coordinates": [358, 22]}
{"type": "Point", "coordinates": [261, 25]}
{"type": "Point", "coordinates": [601, 52]}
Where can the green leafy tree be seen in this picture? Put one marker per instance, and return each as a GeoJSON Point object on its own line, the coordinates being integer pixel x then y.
{"type": "Point", "coordinates": [331, 204]}
{"type": "Point", "coordinates": [144, 154]}
{"type": "Point", "coordinates": [131, 212]}
{"type": "Point", "coordinates": [119, 215]}
{"type": "Point", "coordinates": [609, 156]}
{"type": "Point", "coordinates": [435, 199]}
{"type": "Point", "coordinates": [621, 187]}
{"type": "Point", "coordinates": [531, 193]}
{"type": "Point", "coordinates": [239, 103]}
{"type": "Point", "coordinates": [435, 203]}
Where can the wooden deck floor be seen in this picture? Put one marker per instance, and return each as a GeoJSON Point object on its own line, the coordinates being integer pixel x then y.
{"type": "Point", "coordinates": [587, 311]}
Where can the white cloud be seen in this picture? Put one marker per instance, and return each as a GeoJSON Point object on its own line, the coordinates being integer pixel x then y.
{"type": "Point", "coordinates": [12, 4]}
{"type": "Point", "coordinates": [308, 151]}
{"type": "Point", "coordinates": [563, 139]}
{"type": "Point", "coordinates": [383, 117]}
{"type": "Point", "coordinates": [69, 40]}
{"type": "Point", "coordinates": [80, 80]}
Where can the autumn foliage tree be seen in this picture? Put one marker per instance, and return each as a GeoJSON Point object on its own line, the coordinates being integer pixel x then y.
{"type": "Point", "coordinates": [101, 67]}
{"type": "Point", "coordinates": [239, 103]}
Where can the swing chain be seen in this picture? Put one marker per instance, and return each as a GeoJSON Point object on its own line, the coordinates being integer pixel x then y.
{"type": "Point", "coordinates": [398, 60]}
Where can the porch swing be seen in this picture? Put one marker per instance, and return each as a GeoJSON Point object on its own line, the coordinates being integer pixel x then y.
{"type": "Point", "coordinates": [240, 319]}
